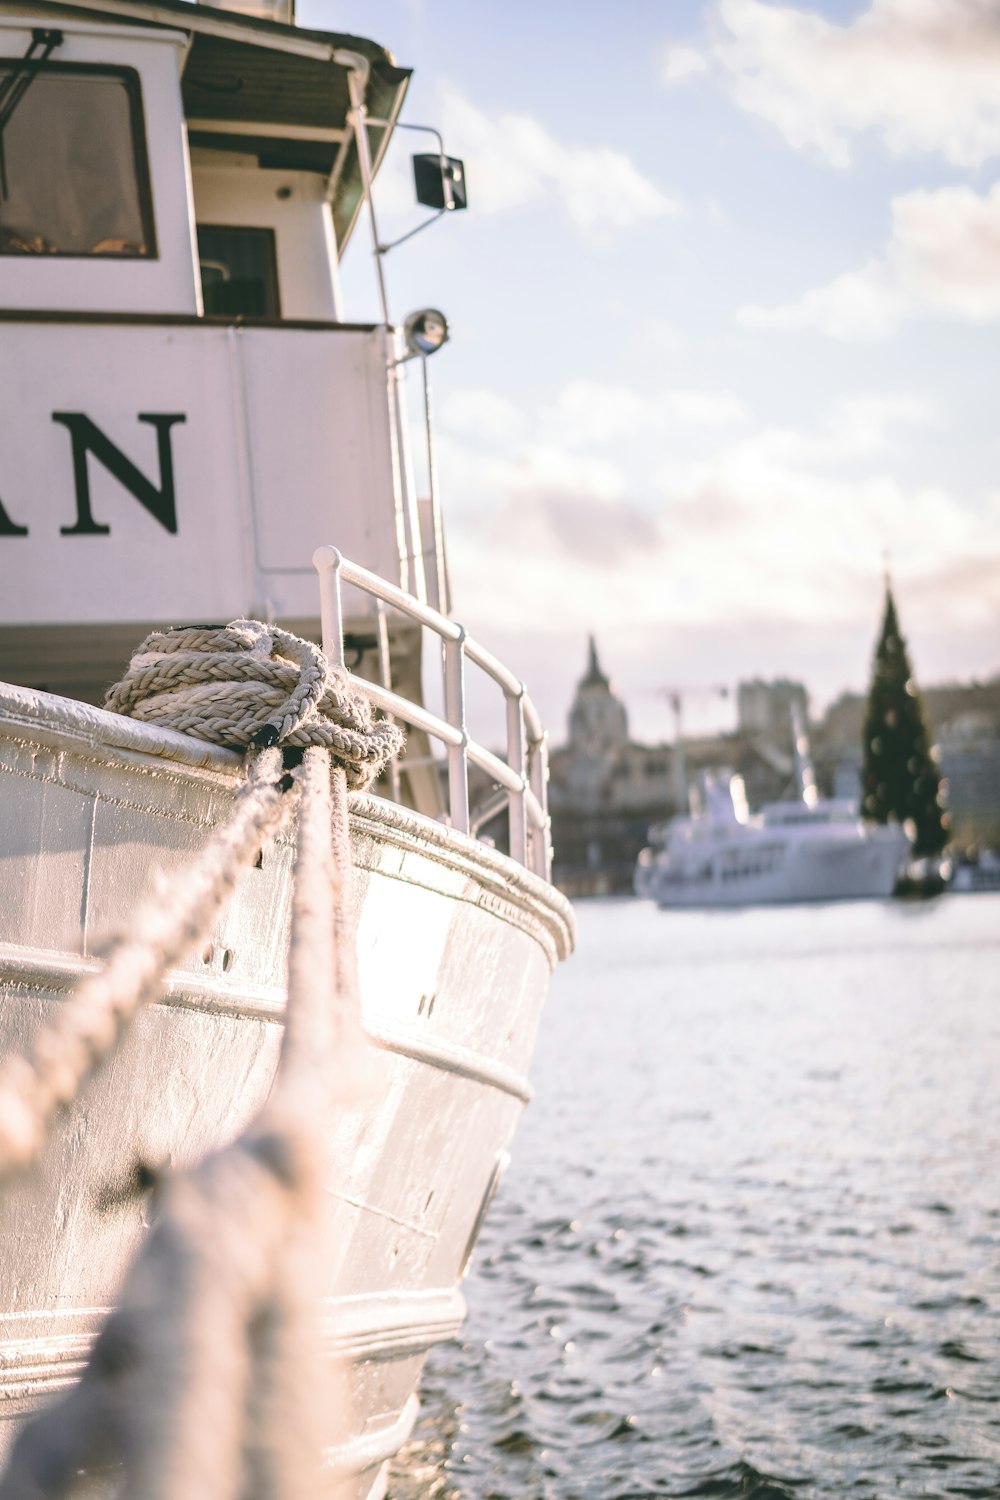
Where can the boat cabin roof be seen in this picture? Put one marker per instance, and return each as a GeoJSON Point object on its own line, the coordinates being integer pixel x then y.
{"type": "Point", "coordinates": [827, 810]}
{"type": "Point", "coordinates": [260, 87]}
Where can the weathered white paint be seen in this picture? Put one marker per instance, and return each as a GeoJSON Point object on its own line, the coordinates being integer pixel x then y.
{"type": "Point", "coordinates": [455, 946]}
{"type": "Point", "coordinates": [255, 493]}
{"type": "Point", "coordinates": [168, 283]}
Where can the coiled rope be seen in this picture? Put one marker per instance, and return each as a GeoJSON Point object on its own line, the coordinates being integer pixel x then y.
{"type": "Point", "coordinates": [249, 684]}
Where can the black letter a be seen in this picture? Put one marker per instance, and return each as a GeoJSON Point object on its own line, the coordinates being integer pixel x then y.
{"type": "Point", "coordinates": [87, 437]}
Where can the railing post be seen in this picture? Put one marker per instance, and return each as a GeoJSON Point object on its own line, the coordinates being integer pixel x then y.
{"type": "Point", "coordinates": [541, 843]}
{"type": "Point", "coordinates": [521, 781]}
{"type": "Point", "coordinates": [440, 561]}
{"type": "Point", "coordinates": [385, 675]}
{"type": "Point", "coordinates": [327, 561]}
{"type": "Point", "coordinates": [454, 712]}
{"type": "Point", "coordinates": [516, 756]}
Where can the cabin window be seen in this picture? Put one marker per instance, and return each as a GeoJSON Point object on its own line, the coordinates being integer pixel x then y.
{"type": "Point", "coordinates": [73, 173]}
{"type": "Point", "coordinates": [239, 271]}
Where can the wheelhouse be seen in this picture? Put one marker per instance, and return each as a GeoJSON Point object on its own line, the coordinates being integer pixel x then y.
{"type": "Point", "coordinates": [189, 411]}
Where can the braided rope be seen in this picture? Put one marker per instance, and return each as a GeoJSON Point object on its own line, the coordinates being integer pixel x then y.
{"type": "Point", "coordinates": [165, 926]}
{"type": "Point", "coordinates": [238, 684]}
{"type": "Point", "coordinates": [247, 684]}
{"type": "Point", "coordinates": [208, 1381]}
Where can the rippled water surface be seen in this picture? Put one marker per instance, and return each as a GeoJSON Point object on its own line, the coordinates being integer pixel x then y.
{"type": "Point", "coordinates": [750, 1241]}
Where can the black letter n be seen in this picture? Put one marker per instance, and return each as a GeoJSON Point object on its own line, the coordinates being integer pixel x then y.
{"type": "Point", "coordinates": [87, 437]}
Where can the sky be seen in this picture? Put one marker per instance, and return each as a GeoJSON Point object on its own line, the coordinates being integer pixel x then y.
{"type": "Point", "coordinates": [724, 312]}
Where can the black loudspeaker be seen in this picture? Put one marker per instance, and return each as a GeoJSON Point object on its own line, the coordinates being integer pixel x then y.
{"type": "Point", "coordinates": [429, 177]}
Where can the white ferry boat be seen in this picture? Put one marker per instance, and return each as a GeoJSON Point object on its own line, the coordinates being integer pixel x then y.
{"type": "Point", "coordinates": [189, 414]}
{"type": "Point", "coordinates": [789, 851]}
{"type": "Point", "coordinates": [804, 848]}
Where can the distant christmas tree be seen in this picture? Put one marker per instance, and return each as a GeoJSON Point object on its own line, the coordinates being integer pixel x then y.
{"type": "Point", "coordinates": [900, 777]}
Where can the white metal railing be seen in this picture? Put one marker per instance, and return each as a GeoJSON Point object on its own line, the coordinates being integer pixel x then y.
{"type": "Point", "coordinates": [521, 780]}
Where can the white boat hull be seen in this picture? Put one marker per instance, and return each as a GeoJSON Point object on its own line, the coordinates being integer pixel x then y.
{"type": "Point", "coordinates": [455, 947]}
{"type": "Point", "coordinates": [835, 869]}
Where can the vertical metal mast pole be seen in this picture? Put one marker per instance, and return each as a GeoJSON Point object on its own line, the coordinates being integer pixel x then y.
{"type": "Point", "coordinates": [440, 562]}
{"type": "Point", "coordinates": [385, 674]}
{"type": "Point", "coordinates": [357, 73]}
{"type": "Point", "coordinates": [359, 122]}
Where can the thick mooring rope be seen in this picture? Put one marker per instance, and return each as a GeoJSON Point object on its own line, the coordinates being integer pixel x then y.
{"type": "Point", "coordinates": [164, 927]}
{"type": "Point", "coordinates": [239, 684]}
{"type": "Point", "coordinates": [251, 684]}
{"type": "Point", "coordinates": [208, 1381]}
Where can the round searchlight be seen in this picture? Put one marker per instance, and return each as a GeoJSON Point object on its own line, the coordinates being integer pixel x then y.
{"type": "Point", "coordinates": [425, 331]}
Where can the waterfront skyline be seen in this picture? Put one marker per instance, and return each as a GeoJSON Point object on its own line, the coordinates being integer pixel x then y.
{"type": "Point", "coordinates": [723, 308]}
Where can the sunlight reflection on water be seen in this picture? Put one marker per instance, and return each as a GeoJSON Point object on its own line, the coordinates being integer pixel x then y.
{"type": "Point", "coordinates": [748, 1245]}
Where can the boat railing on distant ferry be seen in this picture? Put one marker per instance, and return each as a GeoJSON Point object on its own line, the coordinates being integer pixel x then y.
{"type": "Point", "coordinates": [521, 779]}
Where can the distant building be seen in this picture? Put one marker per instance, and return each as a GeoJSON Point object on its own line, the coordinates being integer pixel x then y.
{"type": "Point", "coordinates": [606, 790]}
{"type": "Point", "coordinates": [764, 709]}
{"type": "Point", "coordinates": [598, 723]}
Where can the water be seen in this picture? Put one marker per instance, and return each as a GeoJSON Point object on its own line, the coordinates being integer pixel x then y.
{"type": "Point", "coordinates": [750, 1242]}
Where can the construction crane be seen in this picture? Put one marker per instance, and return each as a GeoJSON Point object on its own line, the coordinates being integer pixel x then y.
{"type": "Point", "coordinates": [676, 697]}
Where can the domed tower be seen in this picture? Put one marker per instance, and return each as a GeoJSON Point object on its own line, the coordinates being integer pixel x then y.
{"type": "Point", "coordinates": [598, 723]}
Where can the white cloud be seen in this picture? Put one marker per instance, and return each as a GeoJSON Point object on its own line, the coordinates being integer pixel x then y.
{"type": "Point", "coordinates": [537, 469]}
{"type": "Point", "coordinates": [945, 252]}
{"type": "Point", "coordinates": [484, 414]}
{"type": "Point", "coordinates": [922, 74]}
{"type": "Point", "coordinates": [680, 63]}
{"type": "Point", "coordinates": [513, 160]}
{"type": "Point", "coordinates": [868, 423]}
{"type": "Point", "coordinates": [585, 415]}
{"type": "Point", "coordinates": [768, 533]}
{"type": "Point", "coordinates": [791, 538]}
{"type": "Point", "coordinates": [590, 412]}
{"type": "Point", "coordinates": [705, 408]}
{"type": "Point", "coordinates": [858, 427]}
{"type": "Point", "coordinates": [779, 527]}
{"type": "Point", "coordinates": [858, 305]}
{"type": "Point", "coordinates": [942, 260]}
